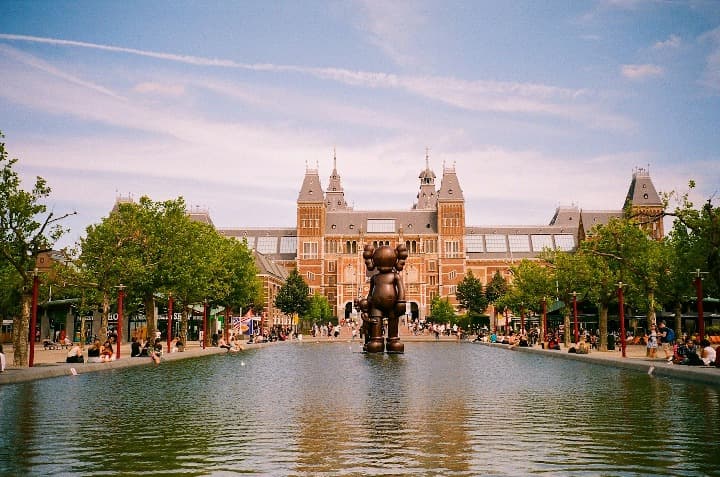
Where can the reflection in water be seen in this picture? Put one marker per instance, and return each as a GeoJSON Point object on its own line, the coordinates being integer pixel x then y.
{"type": "Point", "coordinates": [327, 409]}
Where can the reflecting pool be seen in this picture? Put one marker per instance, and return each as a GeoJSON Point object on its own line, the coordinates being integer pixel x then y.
{"type": "Point", "coordinates": [327, 409]}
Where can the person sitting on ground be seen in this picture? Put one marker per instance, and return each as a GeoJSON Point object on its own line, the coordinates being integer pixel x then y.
{"type": "Point", "coordinates": [2, 360]}
{"type": "Point", "coordinates": [75, 355]}
{"type": "Point", "coordinates": [583, 347]}
{"type": "Point", "coordinates": [687, 354]}
{"type": "Point", "coordinates": [135, 348]}
{"type": "Point", "coordinates": [553, 343]}
{"type": "Point", "coordinates": [94, 352]}
{"type": "Point", "coordinates": [223, 344]}
{"type": "Point", "coordinates": [157, 351]}
{"type": "Point", "coordinates": [523, 341]}
{"type": "Point", "coordinates": [106, 352]}
{"type": "Point", "coordinates": [708, 353]}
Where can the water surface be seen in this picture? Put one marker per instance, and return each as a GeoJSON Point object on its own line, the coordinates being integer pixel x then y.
{"type": "Point", "coordinates": [328, 410]}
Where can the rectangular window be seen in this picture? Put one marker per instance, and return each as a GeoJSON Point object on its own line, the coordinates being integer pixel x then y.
{"type": "Point", "coordinates": [331, 266]}
{"type": "Point", "coordinates": [432, 280]}
{"type": "Point", "coordinates": [495, 243]}
{"type": "Point", "coordinates": [381, 225]}
{"type": "Point", "coordinates": [452, 289]}
{"type": "Point", "coordinates": [267, 244]}
{"type": "Point", "coordinates": [310, 250]}
{"type": "Point", "coordinates": [250, 242]}
{"type": "Point", "coordinates": [474, 243]}
{"type": "Point", "coordinates": [310, 276]}
{"type": "Point", "coordinates": [519, 243]}
{"type": "Point", "coordinates": [541, 242]}
{"type": "Point", "coordinates": [565, 242]}
{"type": "Point", "coordinates": [452, 248]}
{"type": "Point", "coordinates": [430, 246]}
{"type": "Point", "coordinates": [288, 244]}
{"type": "Point", "coordinates": [432, 265]}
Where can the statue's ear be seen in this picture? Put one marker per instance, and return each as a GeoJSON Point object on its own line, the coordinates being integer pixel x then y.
{"type": "Point", "coordinates": [401, 251]}
{"type": "Point", "coordinates": [368, 252]}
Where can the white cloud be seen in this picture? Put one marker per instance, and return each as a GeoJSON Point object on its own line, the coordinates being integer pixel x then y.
{"type": "Point", "coordinates": [392, 27]}
{"type": "Point", "coordinates": [672, 42]}
{"type": "Point", "coordinates": [711, 75]}
{"type": "Point", "coordinates": [640, 72]}
{"type": "Point", "coordinates": [477, 95]}
{"type": "Point", "coordinates": [165, 89]}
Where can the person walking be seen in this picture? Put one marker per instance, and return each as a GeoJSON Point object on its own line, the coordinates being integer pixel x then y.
{"type": "Point", "coordinates": [667, 340]}
{"type": "Point", "coordinates": [652, 343]}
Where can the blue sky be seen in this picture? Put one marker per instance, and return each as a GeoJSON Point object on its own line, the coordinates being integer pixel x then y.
{"type": "Point", "coordinates": [536, 104]}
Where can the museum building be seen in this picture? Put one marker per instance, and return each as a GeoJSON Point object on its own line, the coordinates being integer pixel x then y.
{"type": "Point", "coordinates": [327, 241]}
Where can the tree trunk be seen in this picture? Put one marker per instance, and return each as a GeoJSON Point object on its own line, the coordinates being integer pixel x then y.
{"type": "Point", "coordinates": [651, 317]}
{"type": "Point", "coordinates": [104, 317]}
{"type": "Point", "coordinates": [568, 332]}
{"type": "Point", "coordinates": [150, 317]}
{"type": "Point", "coordinates": [602, 327]}
{"type": "Point", "coordinates": [21, 330]}
{"type": "Point", "coordinates": [184, 325]}
{"type": "Point", "coordinates": [678, 321]}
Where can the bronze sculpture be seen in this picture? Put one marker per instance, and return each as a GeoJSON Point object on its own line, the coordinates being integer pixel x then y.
{"type": "Point", "coordinates": [386, 299]}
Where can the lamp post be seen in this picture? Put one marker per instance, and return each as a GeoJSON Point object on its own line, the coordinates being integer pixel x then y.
{"type": "Point", "coordinates": [204, 328]}
{"type": "Point", "coordinates": [621, 305]}
{"type": "Point", "coordinates": [699, 293]}
{"type": "Point", "coordinates": [506, 321]}
{"type": "Point", "coordinates": [169, 321]}
{"type": "Point", "coordinates": [522, 318]}
{"type": "Point", "coordinates": [121, 295]}
{"type": "Point", "coordinates": [33, 317]}
{"type": "Point", "coordinates": [575, 317]}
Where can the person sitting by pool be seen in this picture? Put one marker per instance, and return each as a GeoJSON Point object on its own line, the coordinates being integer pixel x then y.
{"type": "Point", "coordinates": [94, 352]}
{"type": "Point", "coordinates": [553, 343]}
{"type": "Point", "coordinates": [106, 352]}
{"type": "Point", "coordinates": [583, 347]}
{"type": "Point", "coordinates": [223, 344]}
{"type": "Point", "coordinates": [523, 341]}
{"type": "Point", "coordinates": [157, 351]}
{"type": "Point", "coordinates": [75, 355]}
{"type": "Point", "coordinates": [708, 353]}
{"type": "Point", "coordinates": [493, 337]}
{"type": "Point", "coordinates": [135, 348]}
{"type": "Point", "coordinates": [687, 354]}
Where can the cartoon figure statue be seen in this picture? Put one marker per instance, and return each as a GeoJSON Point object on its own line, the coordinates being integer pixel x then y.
{"type": "Point", "coordinates": [386, 298]}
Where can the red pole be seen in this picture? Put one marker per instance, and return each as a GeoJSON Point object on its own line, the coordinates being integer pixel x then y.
{"type": "Point", "coordinates": [506, 321]}
{"type": "Point", "coordinates": [33, 318]}
{"type": "Point", "coordinates": [522, 319]}
{"type": "Point", "coordinates": [169, 321]}
{"type": "Point", "coordinates": [621, 305]}
{"type": "Point", "coordinates": [575, 318]}
{"type": "Point", "coordinates": [701, 317]}
{"type": "Point", "coordinates": [121, 295]}
{"type": "Point", "coordinates": [544, 319]}
{"type": "Point", "coordinates": [204, 324]}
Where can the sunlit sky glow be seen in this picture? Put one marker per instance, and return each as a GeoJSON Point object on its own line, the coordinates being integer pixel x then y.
{"type": "Point", "coordinates": [537, 104]}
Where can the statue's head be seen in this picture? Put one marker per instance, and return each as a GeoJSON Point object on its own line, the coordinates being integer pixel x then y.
{"type": "Point", "coordinates": [385, 258]}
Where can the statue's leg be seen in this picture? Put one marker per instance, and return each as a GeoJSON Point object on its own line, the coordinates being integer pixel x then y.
{"type": "Point", "coordinates": [393, 341]}
{"type": "Point", "coordinates": [376, 343]}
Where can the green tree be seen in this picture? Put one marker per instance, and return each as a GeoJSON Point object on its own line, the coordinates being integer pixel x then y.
{"type": "Point", "coordinates": [494, 291]}
{"type": "Point", "coordinates": [470, 295]}
{"type": "Point", "coordinates": [532, 282]}
{"type": "Point", "coordinates": [442, 310]}
{"type": "Point", "coordinates": [26, 229]}
{"type": "Point", "coordinates": [703, 236]}
{"type": "Point", "coordinates": [293, 297]}
{"type": "Point", "coordinates": [319, 310]}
